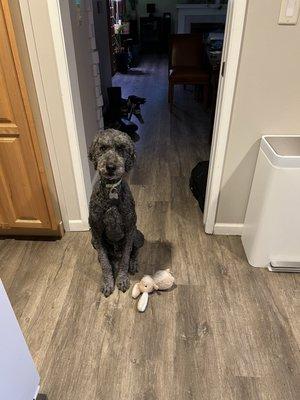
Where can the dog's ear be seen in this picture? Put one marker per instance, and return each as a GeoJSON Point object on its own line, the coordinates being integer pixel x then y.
{"type": "Point", "coordinates": [94, 150]}
{"type": "Point", "coordinates": [131, 154]}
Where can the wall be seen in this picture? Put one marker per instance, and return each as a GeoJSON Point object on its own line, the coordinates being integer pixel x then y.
{"type": "Point", "coordinates": [267, 101]}
{"type": "Point", "coordinates": [79, 53]}
{"type": "Point", "coordinates": [163, 6]}
{"type": "Point", "coordinates": [102, 41]}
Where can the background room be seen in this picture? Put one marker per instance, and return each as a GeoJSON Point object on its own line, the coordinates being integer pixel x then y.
{"type": "Point", "coordinates": [167, 54]}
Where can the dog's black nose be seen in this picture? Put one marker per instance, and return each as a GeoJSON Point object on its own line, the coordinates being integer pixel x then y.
{"type": "Point", "coordinates": [110, 168]}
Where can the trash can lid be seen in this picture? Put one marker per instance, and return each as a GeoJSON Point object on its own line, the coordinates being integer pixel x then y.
{"type": "Point", "coordinates": [282, 150]}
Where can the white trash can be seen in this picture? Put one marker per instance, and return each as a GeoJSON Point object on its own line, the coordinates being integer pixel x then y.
{"type": "Point", "coordinates": [271, 233]}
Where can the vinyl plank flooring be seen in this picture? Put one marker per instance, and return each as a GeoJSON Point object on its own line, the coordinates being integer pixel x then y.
{"type": "Point", "coordinates": [42, 311]}
{"type": "Point", "coordinates": [227, 331]}
{"type": "Point", "coordinates": [196, 372]}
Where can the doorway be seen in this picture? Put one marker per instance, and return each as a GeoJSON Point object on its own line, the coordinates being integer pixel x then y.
{"type": "Point", "coordinates": [223, 111]}
{"type": "Point", "coordinates": [187, 128]}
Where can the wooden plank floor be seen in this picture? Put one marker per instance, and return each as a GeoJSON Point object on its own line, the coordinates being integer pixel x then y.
{"type": "Point", "coordinates": [227, 331]}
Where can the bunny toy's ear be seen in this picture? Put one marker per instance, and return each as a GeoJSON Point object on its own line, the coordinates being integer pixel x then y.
{"type": "Point", "coordinates": [135, 291]}
{"type": "Point", "coordinates": [143, 301]}
{"type": "Point", "coordinates": [155, 286]}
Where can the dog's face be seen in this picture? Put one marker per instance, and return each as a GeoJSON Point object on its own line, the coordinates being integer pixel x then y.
{"type": "Point", "coordinates": [112, 153]}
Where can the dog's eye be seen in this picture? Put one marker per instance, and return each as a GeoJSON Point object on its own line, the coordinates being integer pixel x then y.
{"type": "Point", "coordinates": [103, 148]}
{"type": "Point", "coordinates": [120, 148]}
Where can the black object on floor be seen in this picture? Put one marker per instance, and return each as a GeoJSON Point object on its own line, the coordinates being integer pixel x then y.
{"type": "Point", "coordinates": [133, 106]}
{"type": "Point", "coordinates": [114, 116]}
{"type": "Point", "coordinates": [121, 110]}
{"type": "Point", "coordinates": [115, 102]}
{"type": "Point", "coordinates": [42, 397]}
{"type": "Point", "coordinates": [198, 182]}
{"type": "Point", "coordinates": [124, 126]}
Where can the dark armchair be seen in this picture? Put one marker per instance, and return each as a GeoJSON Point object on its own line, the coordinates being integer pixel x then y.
{"type": "Point", "coordinates": [186, 64]}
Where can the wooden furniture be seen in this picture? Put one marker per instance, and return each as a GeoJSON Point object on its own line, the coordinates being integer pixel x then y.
{"type": "Point", "coordinates": [186, 64]}
{"type": "Point", "coordinates": [166, 31]}
{"type": "Point", "coordinates": [26, 205]}
{"type": "Point", "coordinates": [150, 33]}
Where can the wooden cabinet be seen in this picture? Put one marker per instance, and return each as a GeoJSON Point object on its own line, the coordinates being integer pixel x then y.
{"type": "Point", "coordinates": [150, 31]}
{"type": "Point", "coordinates": [25, 201]}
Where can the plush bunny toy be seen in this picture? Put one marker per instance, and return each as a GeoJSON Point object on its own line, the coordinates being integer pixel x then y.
{"type": "Point", "coordinates": [161, 280]}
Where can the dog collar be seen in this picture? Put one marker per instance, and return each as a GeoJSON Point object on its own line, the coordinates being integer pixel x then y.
{"type": "Point", "coordinates": [113, 185]}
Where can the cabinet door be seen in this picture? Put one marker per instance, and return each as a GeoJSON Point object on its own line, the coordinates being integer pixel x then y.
{"type": "Point", "coordinates": [23, 190]}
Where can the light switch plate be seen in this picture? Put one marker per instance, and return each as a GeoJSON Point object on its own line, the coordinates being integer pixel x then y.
{"type": "Point", "coordinates": [289, 12]}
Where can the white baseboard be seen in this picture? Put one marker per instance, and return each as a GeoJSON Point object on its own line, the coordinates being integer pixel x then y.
{"type": "Point", "coordinates": [228, 229]}
{"type": "Point", "coordinates": [77, 225]}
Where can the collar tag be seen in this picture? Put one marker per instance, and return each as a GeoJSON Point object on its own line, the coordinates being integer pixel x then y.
{"type": "Point", "coordinates": [113, 193]}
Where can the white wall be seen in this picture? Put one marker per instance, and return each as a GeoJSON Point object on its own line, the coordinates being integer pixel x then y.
{"type": "Point", "coordinates": [267, 101]}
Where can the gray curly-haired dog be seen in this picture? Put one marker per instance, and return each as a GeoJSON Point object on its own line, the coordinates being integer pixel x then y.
{"type": "Point", "coordinates": [112, 215]}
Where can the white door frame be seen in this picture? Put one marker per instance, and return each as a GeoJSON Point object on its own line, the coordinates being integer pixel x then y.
{"type": "Point", "coordinates": [236, 14]}
{"type": "Point", "coordinates": [82, 181]}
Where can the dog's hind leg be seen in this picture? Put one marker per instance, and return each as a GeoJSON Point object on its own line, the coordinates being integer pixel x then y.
{"type": "Point", "coordinates": [137, 244]}
{"type": "Point", "coordinates": [138, 239]}
{"type": "Point", "coordinates": [133, 262]}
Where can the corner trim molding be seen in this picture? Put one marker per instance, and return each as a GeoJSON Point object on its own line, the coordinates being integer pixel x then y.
{"type": "Point", "coordinates": [228, 229]}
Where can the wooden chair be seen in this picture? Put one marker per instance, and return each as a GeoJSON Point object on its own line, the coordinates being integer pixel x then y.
{"type": "Point", "coordinates": [186, 64]}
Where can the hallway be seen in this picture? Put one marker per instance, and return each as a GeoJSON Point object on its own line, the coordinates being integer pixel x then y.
{"type": "Point", "coordinates": [227, 331]}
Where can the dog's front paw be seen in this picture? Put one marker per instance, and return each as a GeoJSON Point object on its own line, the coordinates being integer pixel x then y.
{"type": "Point", "coordinates": [133, 267]}
{"type": "Point", "coordinates": [123, 282]}
{"type": "Point", "coordinates": [95, 244]}
{"type": "Point", "coordinates": [108, 287]}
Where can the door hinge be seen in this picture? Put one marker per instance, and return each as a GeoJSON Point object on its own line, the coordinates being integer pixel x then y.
{"type": "Point", "coordinates": [223, 69]}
